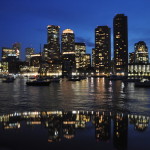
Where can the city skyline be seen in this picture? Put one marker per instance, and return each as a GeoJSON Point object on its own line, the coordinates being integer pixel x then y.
{"type": "Point", "coordinates": [26, 22]}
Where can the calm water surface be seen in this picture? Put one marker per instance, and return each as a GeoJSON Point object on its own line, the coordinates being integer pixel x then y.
{"type": "Point", "coordinates": [108, 115]}
{"type": "Point", "coordinates": [74, 130]}
{"type": "Point", "coordinates": [90, 94]}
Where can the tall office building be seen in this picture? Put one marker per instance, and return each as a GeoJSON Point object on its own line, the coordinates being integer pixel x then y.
{"type": "Point", "coordinates": [68, 52]}
{"type": "Point", "coordinates": [120, 27]}
{"type": "Point", "coordinates": [93, 57]}
{"type": "Point", "coordinates": [102, 51]}
{"type": "Point", "coordinates": [17, 48]}
{"type": "Point", "coordinates": [51, 52]}
{"type": "Point", "coordinates": [29, 51]}
{"type": "Point", "coordinates": [80, 49]}
{"type": "Point", "coordinates": [53, 38]}
{"type": "Point", "coordinates": [141, 53]}
{"type": "Point", "coordinates": [68, 41]}
{"type": "Point", "coordinates": [86, 61]}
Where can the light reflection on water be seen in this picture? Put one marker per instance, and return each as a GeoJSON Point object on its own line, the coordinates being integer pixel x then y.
{"type": "Point", "coordinates": [74, 130]}
{"type": "Point", "coordinates": [90, 94]}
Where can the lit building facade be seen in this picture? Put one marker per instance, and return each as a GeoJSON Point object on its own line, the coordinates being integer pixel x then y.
{"type": "Point", "coordinates": [68, 64]}
{"type": "Point", "coordinates": [51, 52]}
{"type": "Point", "coordinates": [3, 67]}
{"type": "Point", "coordinates": [17, 48]}
{"type": "Point", "coordinates": [138, 70]}
{"type": "Point", "coordinates": [139, 66]}
{"type": "Point", "coordinates": [6, 52]}
{"type": "Point", "coordinates": [68, 41]}
{"type": "Point", "coordinates": [141, 53]}
{"type": "Point", "coordinates": [35, 60]}
{"type": "Point", "coordinates": [80, 49]}
{"type": "Point", "coordinates": [53, 38]}
{"type": "Point", "coordinates": [86, 59]}
{"type": "Point", "coordinates": [29, 52]}
{"type": "Point", "coordinates": [132, 57]}
{"type": "Point", "coordinates": [120, 27]}
{"type": "Point", "coordinates": [102, 51]}
{"type": "Point", "coordinates": [68, 52]}
{"type": "Point", "coordinates": [10, 60]}
{"type": "Point", "coordinates": [93, 57]}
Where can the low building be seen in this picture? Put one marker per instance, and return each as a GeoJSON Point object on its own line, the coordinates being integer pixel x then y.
{"type": "Point", "coordinates": [138, 70]}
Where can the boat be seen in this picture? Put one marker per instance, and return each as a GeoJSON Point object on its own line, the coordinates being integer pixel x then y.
{"type": "Point", "coordinates": [142, 83]}
{"type": "Point", "coordinates": [82, 77]}
{"type": "Point", "coordinates": [8, 79]}
{"type": "Point", "coordinates": [74, 78]}
{"type": "Point", "coordinates": [115, 77]}
{"type": "Point", "coordinates": [38, 82]}
{"type": "Point", "coordinates": [1, 75]}
{"type": "Point", "coordinates": [55, 79]}
{"type": "Point", "coordinates": [131, 80]}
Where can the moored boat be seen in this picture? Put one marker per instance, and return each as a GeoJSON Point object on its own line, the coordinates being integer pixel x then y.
{"type": "Point", "coordinates": [143, 83]}
{"type": "Point", "coordinates": [115, 77]}
{"type": "Point", "coordinates": [38, 82]}
{"type": "Point", "coordinates": [131, 80]}
{"type": "Point", "coordinates": [55, 79]}
{"type": "Point", "coordinates": [74, 78]}
{"type": "Point", "coordinates": [8, 79]}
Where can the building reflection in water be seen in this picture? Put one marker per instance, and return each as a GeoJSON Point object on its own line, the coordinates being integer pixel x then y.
{"type": "Point", "coordinates": [120, 135]}
{"type": "Point", "coordinates": [61, 124]}
{"type": "Point", "coordinates": [102, 126]}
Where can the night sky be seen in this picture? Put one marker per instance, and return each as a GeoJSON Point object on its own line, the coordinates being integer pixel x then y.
{"type": "Point", "coordinates": [26, 21]}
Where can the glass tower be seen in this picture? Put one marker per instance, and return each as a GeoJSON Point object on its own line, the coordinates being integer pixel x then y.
{"type": "Point", "coordinates": [120, 27]}
{"type": "Point", "coordinates": [102, 50]}
{"type": "Point", "coordinates": [68, 41]}
{"type": "Point", "coordinates": [53, 38]}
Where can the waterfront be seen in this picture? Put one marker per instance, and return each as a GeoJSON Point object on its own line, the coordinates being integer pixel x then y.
{"type": "Point", "coordinates": [94, 94]}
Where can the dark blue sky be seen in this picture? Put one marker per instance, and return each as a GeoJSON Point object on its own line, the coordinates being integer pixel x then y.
{"type": "Point", "coordinates": [25, 21]}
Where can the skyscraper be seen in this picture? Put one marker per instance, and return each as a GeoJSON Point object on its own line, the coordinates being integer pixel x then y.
{"type": "Point", "coordinates": [68, 52]}
{"type": "Point", "coordinates": [141, 53]}
{"type": "Point", "coordinates": [29, 52]}
{"type": "Point", "coordinates": [80, 49]}
{"type": "Point", "coordinates": [102, 51]}
{"type": "Point", "coordinates": [93, 57]}
{"type": "Point", "coordinates": [120, 27]}
{"type": "Point", "coordinates": [68, 41]}
{"type": "Point", "coordinates": [86, 61]}
{"type": "Point", "coordinates": [53, 38]}
{"type": "Point", "coordinates": [17, 48]}
{"type": "Point", "coordinates": [51, 52]}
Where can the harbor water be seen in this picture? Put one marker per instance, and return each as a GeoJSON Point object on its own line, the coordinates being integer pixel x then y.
{"type": "Point", "coordinates": [94, 94]}
{"type": "Point", "coordinates": [94, 113]}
